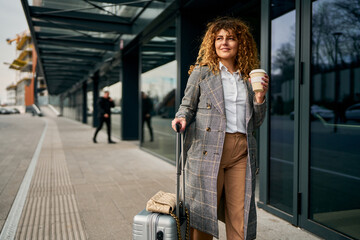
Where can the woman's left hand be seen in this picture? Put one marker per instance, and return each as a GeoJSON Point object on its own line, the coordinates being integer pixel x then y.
{"type": "Point", "coordinates": [260, 96]}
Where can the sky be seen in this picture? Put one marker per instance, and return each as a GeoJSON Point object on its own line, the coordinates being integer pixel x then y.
{"type": "Point", "coordinates": [12, 22]}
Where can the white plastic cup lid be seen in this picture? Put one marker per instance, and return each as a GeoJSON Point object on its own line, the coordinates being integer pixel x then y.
{"type": "Point", "coordinates": [257, 71]}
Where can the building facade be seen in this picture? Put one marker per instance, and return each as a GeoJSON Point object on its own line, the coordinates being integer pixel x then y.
{"type": "Point", "coordinates": [11, 95]}
{"type": "Point", "coordinates": [21, 91]}
{"type": "Point", "coordinates": [308, 144]}
{"type": "Point", "coordinates": [25, 65]}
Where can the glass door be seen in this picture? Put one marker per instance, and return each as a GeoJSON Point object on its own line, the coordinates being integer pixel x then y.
{"type": "Point", "coordinates": [334, 117]}
{"type": "Point", "coordinates": [313, 160]}
{"type": "Point", "coordinates": [282, 127]}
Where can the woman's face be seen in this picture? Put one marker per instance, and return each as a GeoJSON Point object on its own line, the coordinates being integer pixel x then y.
{"type": "Point", "coordinates": [226, 45]}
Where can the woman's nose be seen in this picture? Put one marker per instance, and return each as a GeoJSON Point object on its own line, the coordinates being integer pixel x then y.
{"type": "Point", "coordinates": [224, 42]}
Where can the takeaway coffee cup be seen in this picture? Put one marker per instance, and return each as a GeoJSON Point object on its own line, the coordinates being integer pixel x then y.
{"type": "Point", "coordinates": [256, 76]}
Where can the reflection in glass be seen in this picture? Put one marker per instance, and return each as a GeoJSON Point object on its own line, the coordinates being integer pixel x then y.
{"type": "Point", "coordinates": [158, 83]}
{"type": "Point", "coordinates": [115, 94]}
{"type": "Point", "coordinates": [72, 106]}
{"type": "Point", "coordinates": [78, 105]}
{"type": "Point", "coordinates": [335, 129]}
{"type": "Point", "coordinates": [89, 107]}
{"type": "Point", "coordinates": [282, 105]}
{"type": "Point", "coordinates": [54, 100]}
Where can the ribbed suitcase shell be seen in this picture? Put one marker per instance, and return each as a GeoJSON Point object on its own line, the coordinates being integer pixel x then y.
{"type": "Point", "coordinates": [155, 226]}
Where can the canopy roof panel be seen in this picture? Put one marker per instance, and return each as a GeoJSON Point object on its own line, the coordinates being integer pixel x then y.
{"type": "Point", "coordinates": [75, 38]}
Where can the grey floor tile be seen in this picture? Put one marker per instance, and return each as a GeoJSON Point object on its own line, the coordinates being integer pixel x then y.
{"type": "Point", "coordinates": [111, 183]}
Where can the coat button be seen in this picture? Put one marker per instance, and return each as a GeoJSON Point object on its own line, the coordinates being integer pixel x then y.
{"type": "Point", "coordinates": [208, 106]}
{"type": "Point", "coordinates": [208, 129]}
{"type": "Point", "coordinates": [205, 152]}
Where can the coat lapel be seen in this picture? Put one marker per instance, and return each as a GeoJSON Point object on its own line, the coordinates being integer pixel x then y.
{"type": "Point", "coordinates": [249, 98]}
{"type": "Point", "coordinates": [214, 88]}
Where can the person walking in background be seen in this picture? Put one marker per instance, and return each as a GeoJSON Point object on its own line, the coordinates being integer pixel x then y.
{"type": "Point", "coordinates": [220, 112]}
{"type": "Point", "coordinates": [105, 105]}
{"type": "Point", "coordinates": [147, 107]}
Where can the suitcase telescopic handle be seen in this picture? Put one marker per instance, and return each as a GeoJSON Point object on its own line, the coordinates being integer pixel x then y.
{"type": "Point", "coordinates": [178, 127]}
{"type": "Point", "coordinates": [180, 171]}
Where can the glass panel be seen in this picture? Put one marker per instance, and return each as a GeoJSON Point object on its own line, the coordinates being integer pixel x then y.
{"type": "Point", "coordinates": [335, 115]}
{"type": "Point", "coordinates": [115, 94]}
{"type": "Point", "coordinates": [158, 83]}
{"type": "Point", "coordinates": [282, 104]}
{"type": "Point", "coordinates": [90, 107]}
{"type": "Point", "coordinates": [68, 109]}
{"type": "Point", "coordinates": [78, 105]}
{"type": "Point", "coordinates": [54, 100]}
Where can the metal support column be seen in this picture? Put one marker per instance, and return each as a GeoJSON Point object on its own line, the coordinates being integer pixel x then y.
{"type": "Point", "coordinates": [84, 102]}
{"type": "Point", "coordinates": [264, 129]}
{"type": "Point", "coordinates": [36, 81]}
{"type": "Point", "coordinates": [95, 99]}
{"type": "Point", "coordinates": [188, 33]}
{"type": "Point", "coordinates": [130, 94]}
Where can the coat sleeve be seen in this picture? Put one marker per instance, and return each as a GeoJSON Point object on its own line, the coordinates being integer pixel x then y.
{"type": "Point", "coordinates": [189, 103]}
{"type": "Point", "coordinates": [259, 113]}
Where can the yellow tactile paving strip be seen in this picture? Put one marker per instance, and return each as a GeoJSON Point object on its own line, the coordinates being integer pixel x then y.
{"type": "Point", "coordinates": [51, 210]}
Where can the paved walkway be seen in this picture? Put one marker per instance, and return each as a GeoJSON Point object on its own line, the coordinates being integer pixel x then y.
{"type": "Point", "coordinates": [82, 190]}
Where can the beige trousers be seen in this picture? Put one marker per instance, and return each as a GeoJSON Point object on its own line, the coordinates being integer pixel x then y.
{"type": "Point", "coordinates": [231, 181]}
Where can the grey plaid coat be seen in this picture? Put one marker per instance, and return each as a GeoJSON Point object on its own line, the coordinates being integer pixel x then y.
{"type": "Point", "coordinates": [203, 108]}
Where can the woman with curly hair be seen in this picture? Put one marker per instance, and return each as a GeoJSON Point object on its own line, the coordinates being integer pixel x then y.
{"type": "Point", "coordinates": [220, 112]}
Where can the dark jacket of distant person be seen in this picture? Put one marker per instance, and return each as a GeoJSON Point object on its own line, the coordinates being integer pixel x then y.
{"type": "Point", "coordinates": [147, 107]}
{"type": "Point", "coordinates": [105, 106]}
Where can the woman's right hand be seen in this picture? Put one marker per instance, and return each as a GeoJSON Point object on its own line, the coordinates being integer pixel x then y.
{"type": "Point", "coordinates": [181, 121]}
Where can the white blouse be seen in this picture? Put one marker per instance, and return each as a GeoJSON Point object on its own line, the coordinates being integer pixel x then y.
{"type": "Point", "coordinates": [235, 100]}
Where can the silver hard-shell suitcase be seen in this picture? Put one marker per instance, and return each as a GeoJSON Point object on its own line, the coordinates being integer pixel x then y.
{"type": "Point", "coordinates": [157, 226]}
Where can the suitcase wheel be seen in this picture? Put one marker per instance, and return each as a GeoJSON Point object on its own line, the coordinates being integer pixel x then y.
{"type": "Point", "coordinates": [159, 235]}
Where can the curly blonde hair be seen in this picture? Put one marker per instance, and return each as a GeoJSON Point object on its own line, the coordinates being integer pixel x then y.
{"type": "Point", "coordinates": [247, 55]}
